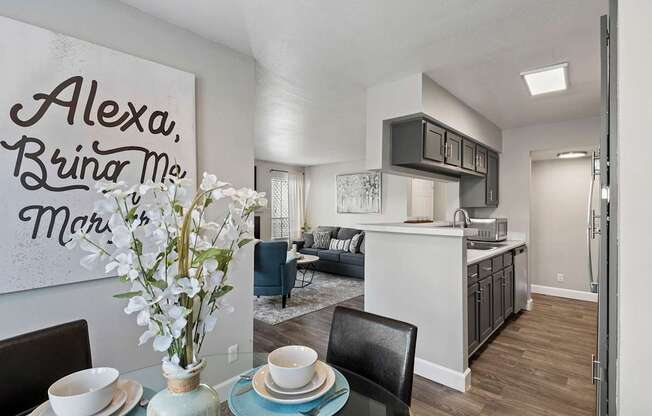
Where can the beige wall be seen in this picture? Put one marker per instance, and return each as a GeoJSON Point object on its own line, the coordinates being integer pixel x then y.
{"type": "Point", "coordinates": [635, 200]}
{"type": "Point", "coordinates": [515, 163]}
{"type": "Point", "coordinates": [558, 215]}
{"type": "Point", "coordinates": [224, 110]}
{"type": "Point", "coordinates": [321, 207]}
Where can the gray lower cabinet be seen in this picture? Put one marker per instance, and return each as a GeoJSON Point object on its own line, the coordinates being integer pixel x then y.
{"type": "Point", "coordinates": [490, 298]}
{"type": "Point", "coordinates": [497, 301]}
{"type": "Point", "coordinates": [485, 318]}
{"type": "Point", "coordinates": [508, 291]}
{"type": "Point", "coordinates": [473, 330]}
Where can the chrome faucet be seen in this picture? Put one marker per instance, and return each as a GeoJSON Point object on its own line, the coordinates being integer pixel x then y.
{"type": "Point", "coordinates": [465, 214]}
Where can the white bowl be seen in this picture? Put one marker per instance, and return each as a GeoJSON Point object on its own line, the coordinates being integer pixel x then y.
{"type": "Point", "coordinates": [293, 366]}
{"type": "Point", "coordinates": [84, 392]}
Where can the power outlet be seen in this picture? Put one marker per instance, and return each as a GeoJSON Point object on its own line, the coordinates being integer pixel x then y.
{"type": "Point", "coordinates": [560, 277]}
{"type": "Point", "coordinates": [233, 353]}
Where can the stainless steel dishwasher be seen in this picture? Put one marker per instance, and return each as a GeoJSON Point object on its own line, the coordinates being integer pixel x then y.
{"type": "Point", "coordinates": [522, 282]}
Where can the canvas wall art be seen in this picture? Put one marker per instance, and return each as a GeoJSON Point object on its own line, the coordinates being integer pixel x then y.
{"type": "Point", "coordinates": [359, 193]}
{"type": "Point", "coordinates": [73, 113]}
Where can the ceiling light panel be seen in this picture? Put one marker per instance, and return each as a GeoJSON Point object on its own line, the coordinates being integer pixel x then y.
{"type": "Point", "coordinates": [546, 80]}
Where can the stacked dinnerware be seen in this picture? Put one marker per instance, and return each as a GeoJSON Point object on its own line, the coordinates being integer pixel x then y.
{"type": "Point", "coordinates": [91, 392]}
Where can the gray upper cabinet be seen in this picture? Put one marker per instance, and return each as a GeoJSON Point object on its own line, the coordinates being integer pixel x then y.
{"type": "Point", "coordinates": [433, 142]}
{"type": "Point", "coordinates": [468, 154]}
{"type": "Point", "coordinates": [481, 159]}
{"type": "Point", "coordinates": [492, 179]}
{"type": "Point", "coordinates": [481, 192]}
{"type": "Point", "coordinates": [427, 146]}
{"type": "Point", "coordinates": [453, 149]}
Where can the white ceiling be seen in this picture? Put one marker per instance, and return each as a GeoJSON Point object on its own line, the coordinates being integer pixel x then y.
{"type": "Point", "coordinates": [314, 59]}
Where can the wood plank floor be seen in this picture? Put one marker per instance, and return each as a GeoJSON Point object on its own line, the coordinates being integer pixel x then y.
{"type": "Point", "coordinates": [538, 364]}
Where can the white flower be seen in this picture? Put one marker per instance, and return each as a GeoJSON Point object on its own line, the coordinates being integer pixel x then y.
{"type": "Point", "coordinates": [209, 323]}
{"type": "Point", "coordinates": [162, 342]}
{"type": "Point", "coordinates": [76, 238]}
{"type": "Point", "coordinates": [210, 182]}
{"type": "Point", "coordinates": [142, 319]}
{"type": "Point", "coordinates": [136, 304]}
{"type": "Point", "coordinates": [124, 264]}
{"type": "Point", "coordinates": [188, 286]}
{"type": "Point", "coordinates": [96, 253]}
{"type": "Point", "coordinates": [105, 206]}
{"type": "Point", "coordinates": [212, 281]}
{"type": "Point", "coordinates": [152, 331]}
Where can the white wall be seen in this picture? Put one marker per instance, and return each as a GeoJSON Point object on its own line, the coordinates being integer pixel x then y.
{"type": "Point", "coordinates": [558, 240]}
{"type": "Point", "coordinates": [224, 110]}
{"type": "Point", "coordinates": [635, 199]}
{"type": "Point", "coordinates": [447, 108]}
{"type": "Point", "coordinates": [515, 163]}
{"type": "Point", "coordinates": [321, 206]}
{"type": "Point", "coordinates": [418, 94]}
{"type": "Point", "coordinates": [264, 182]}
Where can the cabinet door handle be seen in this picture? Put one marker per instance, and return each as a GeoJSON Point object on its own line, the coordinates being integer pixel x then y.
{"type": "Point", "coordinates": [474, 275]}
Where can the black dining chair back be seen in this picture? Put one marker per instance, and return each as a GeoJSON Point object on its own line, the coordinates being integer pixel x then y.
{"type": "Point", "coordinates": [378, 348]}
{"type": "Point", "coordinates": [32, 362]}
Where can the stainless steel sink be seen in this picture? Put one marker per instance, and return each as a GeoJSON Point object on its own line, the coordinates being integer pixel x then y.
{"type": "Point", "coordinates": [481, 245]}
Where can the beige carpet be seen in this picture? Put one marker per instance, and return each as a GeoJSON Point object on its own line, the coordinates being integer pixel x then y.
{"type": "Point", "coordinates": [326, 290]}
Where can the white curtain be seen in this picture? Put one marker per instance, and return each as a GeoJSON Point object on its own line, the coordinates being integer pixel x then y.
{"type": "Point", "coordinates": [296, 204]}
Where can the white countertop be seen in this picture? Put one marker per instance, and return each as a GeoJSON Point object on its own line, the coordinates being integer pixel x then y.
{"type": "Point", "coordinates": [436, 228]}
{"type": "Point", "coordinates": [474, 256]}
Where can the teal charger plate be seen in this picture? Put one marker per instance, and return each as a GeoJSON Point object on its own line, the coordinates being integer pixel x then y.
{"type": "Point", "coordinates": [251, 403]}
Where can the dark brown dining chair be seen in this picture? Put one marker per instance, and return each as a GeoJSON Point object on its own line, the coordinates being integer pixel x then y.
{"type": "Point", "coordinates": [378, 348]}
{"type": "Point", "coordinates": [32, 362]}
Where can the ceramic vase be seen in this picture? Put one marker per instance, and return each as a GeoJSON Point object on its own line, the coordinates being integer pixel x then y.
{"type": "Point", "coordinates": [185, 396]}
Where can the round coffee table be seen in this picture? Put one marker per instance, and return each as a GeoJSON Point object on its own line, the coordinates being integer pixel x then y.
{"type": "Point", "coordinates": [305, 264]}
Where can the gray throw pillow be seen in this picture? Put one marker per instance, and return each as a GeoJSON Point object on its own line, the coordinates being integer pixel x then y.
{"type": "Point", "coordinates": [362, 244]}
{"type": "Point", "coordinates": [355, 243]}
{"type": "Point", "coordinates": [309, 240]}
{"type": "Point", "coordinates": [322, 239]}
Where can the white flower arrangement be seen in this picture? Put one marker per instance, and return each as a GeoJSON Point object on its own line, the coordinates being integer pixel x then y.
{"type": "Point", "coordinates": [176, 261]}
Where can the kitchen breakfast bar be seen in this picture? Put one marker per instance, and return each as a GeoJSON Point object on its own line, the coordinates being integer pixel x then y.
{"type": "Point", "coordinates": [418, 273]}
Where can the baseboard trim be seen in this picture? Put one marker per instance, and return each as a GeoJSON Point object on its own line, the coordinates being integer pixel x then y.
{"type": "Point", "coordinates": [565, 293]}
{"type": "Point", "coordinates": [442, 375]}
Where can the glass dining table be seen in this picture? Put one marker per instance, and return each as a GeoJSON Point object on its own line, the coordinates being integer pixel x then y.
{"type": "Point", "coordinates": [366, 398]}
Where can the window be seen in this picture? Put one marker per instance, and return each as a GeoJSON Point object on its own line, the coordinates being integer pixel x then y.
{"type": "Point", "coordinates": [280, 206]}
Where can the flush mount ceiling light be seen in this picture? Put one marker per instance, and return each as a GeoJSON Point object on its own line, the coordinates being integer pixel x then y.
{"type": "Point", "coordinates": [573, 154]}
{"type": "Point", "coordinates": [546, 80]}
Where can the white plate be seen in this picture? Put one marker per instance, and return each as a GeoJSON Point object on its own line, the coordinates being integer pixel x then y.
{"type": "Point", "coordinates": [134, 392]}
{"type": "Point", "coordinates": [258, 384]}
{"type": "Point", "coordinates": [125, 397]}
{"type": "Point", "coordinates": [321, 373]}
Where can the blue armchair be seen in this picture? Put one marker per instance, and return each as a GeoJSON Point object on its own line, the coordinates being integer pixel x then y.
{"type": "Point", "coordinates": [274, 274]}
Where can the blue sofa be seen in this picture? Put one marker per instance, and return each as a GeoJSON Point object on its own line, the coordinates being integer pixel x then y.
{"type": "Point", "coordinates": [274, 273]}
{"type": "Point", "coordinates": [333, 261]}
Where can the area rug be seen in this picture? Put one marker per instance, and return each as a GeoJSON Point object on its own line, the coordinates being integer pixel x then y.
{"type": "Point", "coordinates": [326, 290]}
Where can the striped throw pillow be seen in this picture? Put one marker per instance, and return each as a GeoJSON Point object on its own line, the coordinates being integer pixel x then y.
{"type": "Point", "coordinates": [340, 245]}
{"type": "Point", "coordinates": [355, 243]}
